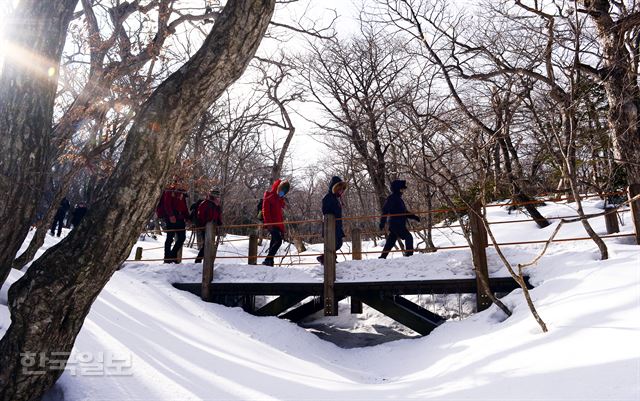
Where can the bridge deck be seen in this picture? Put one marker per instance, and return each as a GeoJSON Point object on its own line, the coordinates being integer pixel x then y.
{"type": "Point", "coordinates": [447, 286]}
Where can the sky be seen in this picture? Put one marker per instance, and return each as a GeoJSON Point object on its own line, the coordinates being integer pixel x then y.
{"type": "Point", "coordinates": [305, 150]}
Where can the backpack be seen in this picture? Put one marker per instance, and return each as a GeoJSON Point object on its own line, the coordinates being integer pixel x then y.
{"type": "Point", "coordinates": [259, 210]}
{"type": "Point", "coordinates": [160, 208]}
{"type": "Point", "coordinates": [193, 211]}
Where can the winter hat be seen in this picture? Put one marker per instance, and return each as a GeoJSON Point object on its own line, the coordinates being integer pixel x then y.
{"type": "Point", "coordinates": [339, 186]}
{"type": "Point", "coordinates": [284, 187]}
{"type": "Point", "coordinates": [397, 185]}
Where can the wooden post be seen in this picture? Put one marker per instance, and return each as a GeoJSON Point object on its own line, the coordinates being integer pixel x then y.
{"type": "Point", "coordinates": [249, 301]}
{"type": "Point", "coordinates": [330, 300]}
{"type": "Point", "coordinates": [611, 220]}
{"type": "Point", "coordinates": [634, 190]}
{"type": "Point", "coordinates": [179, 255]}
{"type": "Point", "coordinates": [253, 249]}
{"type": "Point", "coordinates": [356, 254]}
{"type": "Point", "coordinates": [356, 244]}
{"type": "Point", "coordinates": [209, 257]}
{"type": "Point", "coordinates": [479, 253]}
{"type": "Point", "coordinates": [138, 253]}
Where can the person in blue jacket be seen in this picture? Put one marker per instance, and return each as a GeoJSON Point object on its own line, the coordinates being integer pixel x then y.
{"type": "Point", "coordinates": [394, 206]}
{"type": "Point", "coordinates": [331, 204]}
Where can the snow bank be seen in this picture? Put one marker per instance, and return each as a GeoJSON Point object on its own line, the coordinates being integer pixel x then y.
{"type": "Point", "coordinates": [168, 345]}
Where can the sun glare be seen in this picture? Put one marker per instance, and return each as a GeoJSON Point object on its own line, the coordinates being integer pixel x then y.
{"type": "Point", "coordinates": [16, 54]}
{"type": "Point", "coordinates": [38, 65]}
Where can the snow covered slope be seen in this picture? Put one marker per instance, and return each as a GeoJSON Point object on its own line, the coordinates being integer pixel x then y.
{"type": "Point", "coordinates": [168, 345]}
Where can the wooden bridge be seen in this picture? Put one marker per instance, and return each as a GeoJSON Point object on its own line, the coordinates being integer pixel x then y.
{"type": "Point", "coordinates": [293, 301]}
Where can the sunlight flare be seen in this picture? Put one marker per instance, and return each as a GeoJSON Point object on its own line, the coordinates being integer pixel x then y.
{"type": "Point", "coordinates": [39, 66]}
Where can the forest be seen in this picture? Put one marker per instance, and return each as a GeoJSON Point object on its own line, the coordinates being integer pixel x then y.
{"type": "Point", "coordinates": [107, 101]}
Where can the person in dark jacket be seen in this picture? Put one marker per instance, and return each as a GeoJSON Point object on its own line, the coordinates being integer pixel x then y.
{"type": "Point", "coordinates": [173, 209]}
{"type": "Point", "coordinates": [79, 210]}
{"type": "Point", "coordinates": [394, 206]}
{"type": "Point", "coordinates": [58, 220]}
{"type": "Point", "coordinates": [272, 205]}
{"type": "Point", "coordinates": [331, 204]}
{"type": "Point", "coordinates": [209, 210]}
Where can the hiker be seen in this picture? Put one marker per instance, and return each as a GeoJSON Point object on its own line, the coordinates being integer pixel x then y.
{"type": "Point", "coordinates": [79, 210]}
{"type": "Point", "coordinates": [59, 218]}
{"type": "Point", "coordinates": [208, 211]}
{"type": "Point", "coordinates": [332, 204]}
{"type": "Point", "coordinates": [273, 203]}
{"type": "Point", "coordinates": [394, 205]}
{"type": "Point", "coordinates": [173, 209]}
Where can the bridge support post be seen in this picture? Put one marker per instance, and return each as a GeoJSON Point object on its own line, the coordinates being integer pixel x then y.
{"type": "Point", "coordinates": [209, 258]}
{"type": "Point", "coordinates": [249, 301]}
{"type": "Point", "coordinates": [356, 254]}
{"type": "Point", "coordinates": [634, 190]}
{"type": "Point", "coordinates": [253, 249]}
{"type": "Point", "coordinates": [330, 300]}
{"type": "Point", "coordinates": [479, 252]}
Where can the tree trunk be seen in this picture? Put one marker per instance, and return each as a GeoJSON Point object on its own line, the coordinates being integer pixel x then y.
{"type": "Point", "coordinates": [276, 170]}
{"type": "Point", "coordinates": [36, 35]}
{"type": "Point", "coordinates": [49, 304]}
{"type": "Point", "coordinates": [620, 84]}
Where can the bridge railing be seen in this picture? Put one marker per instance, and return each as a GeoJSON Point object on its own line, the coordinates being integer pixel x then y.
{"type": "Point", "coordinates": [478, 245]}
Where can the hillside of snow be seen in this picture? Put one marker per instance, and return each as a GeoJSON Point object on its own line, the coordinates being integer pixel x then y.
{"type": "Point", "coordinates": [146, 340]}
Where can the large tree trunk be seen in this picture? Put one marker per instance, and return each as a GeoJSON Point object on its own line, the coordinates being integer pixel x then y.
{"type": "Point", "coordinates": [49, 304]}
{"type": "Point", "coordinates": [36, 35]}
{"type": "Point", "coordinates": [620, 83]}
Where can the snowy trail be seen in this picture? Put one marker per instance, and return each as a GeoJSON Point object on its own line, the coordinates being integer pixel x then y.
{"type": "Point", "coordinates": [183, 349]}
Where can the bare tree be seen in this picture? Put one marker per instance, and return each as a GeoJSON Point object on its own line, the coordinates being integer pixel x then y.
{"type": "Point", "coordinates": [122, 70]}
{"type": "Point", "coordinates": [275, 77]}
{"type": "Point", "coordinates": [49, 303]}
{"type": "Point", "coordinates": [36, 35]}
{"type": "Point", "coordinates": [618, 26]}
{"type": "Point", "coordinates": [357, 83]}
{"type": "Point", "coordinates": [444, 48]}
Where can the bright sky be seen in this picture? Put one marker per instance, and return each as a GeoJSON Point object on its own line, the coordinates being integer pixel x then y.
{"type": "Point", "coordinates": [305, 150]}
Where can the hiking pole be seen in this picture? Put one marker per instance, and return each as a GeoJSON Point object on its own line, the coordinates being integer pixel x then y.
{"type": "Point", "coordinates": [286, 252]}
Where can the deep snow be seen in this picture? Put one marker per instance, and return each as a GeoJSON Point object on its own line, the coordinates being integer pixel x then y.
{"type": "Point", "coordinates": [172, 346]}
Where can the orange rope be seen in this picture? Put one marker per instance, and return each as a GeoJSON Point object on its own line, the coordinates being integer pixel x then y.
{"type": "Point", "coordinates": [366, 217]}
{"type": "Point", "coordinates": [395, 250]}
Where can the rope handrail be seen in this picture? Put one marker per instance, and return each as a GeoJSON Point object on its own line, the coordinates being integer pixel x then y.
{"type": "Point", "coordinates": [420, 250]}
{"type": "Point", "coordinates": [368, 217]}
{"type": "Point", "coordinates": [580, 217]}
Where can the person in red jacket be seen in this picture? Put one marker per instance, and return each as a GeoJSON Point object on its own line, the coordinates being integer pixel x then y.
{"type": "Point", "coordinates": [272, 204]}
{"type": "Point", "coordinates": [173, 209]}
{"type": "Point", "coordinates": [209, 210]}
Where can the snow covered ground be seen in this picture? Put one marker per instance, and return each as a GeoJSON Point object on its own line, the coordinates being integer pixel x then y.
{"type": "Point", "coordinates": [159, 343]}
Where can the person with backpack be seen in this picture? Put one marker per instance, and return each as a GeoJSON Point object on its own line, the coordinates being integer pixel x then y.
{"type": "Point", "coordinates": [173, 209]}
{"type": "Point", "coordinates": [58, 220]}
{"type": "Point", "coordinates": [394, 206]}
{"type": "Point", "coordinates": [193, 213]}
{"type": "Point", "coordinates": [332, 204]}
{"type": "Point", "coordinates": [272, 205]}
{"type": "Point", "coordinates": [79, 210]}
{"type": "Point", "coordinates": [209, 210]}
